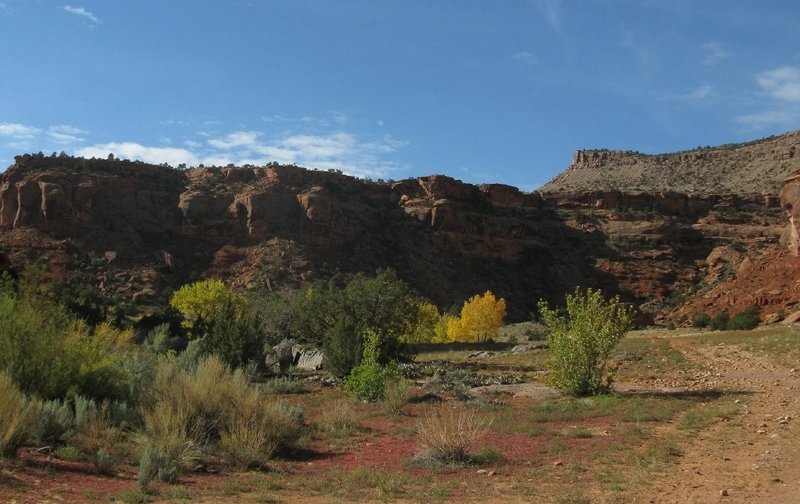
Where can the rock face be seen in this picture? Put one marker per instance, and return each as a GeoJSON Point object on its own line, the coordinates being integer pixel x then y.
{"type": "Point", "coordinates": [134, 230]}
{"type": "Point", "coordinates": [790, 202]}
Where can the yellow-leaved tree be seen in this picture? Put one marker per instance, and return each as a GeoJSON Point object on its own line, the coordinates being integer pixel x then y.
{"type": "Point", "coordinates": [200, 302]}
{"type": "Point", "coordinates": [481, 318]}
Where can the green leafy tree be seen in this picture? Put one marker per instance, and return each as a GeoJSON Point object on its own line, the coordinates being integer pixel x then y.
{"type": "Point", "coordinates": [581, 340]}
{"type": "Point", "coordinates": [339, 316]}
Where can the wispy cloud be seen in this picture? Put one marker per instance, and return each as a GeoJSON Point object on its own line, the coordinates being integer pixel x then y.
{"type": "Point", "coordinates": [337, 150]}
{"type": "Point", "coordinates": [698, 94]}
{"type": "Point", "coordinates": [781, 88]}
{"type": "Point", "coordinates": [82, 12]}
{"type": "Point", "coordinates": [525, 57]}
{"type": "Point", "coordinates": [701, 93]}
{"type": "Point", "coordinates": [769, 118]}
{"type": "Point", "coordinates": [18, 131]}
{"type": "Point", "coordinates": [235, 139]}
{"type": "Point", "coordinates": [66, 134]}
{"type": "Point", "coordinates": [714, 53]}
{"type": "Point", "coordinates": [781, 83]}
{"type": "Point", "coordinates": [551, 10]}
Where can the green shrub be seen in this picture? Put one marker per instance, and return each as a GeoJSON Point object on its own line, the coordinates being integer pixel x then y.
{"type": "Point", "coordinates": [103, 461]}
{"type": "Point", "coordinates": [339, 419]}
{"type": "Point", "coordinates": [235, 336]}
{"type": "Point", "coordinates": [701, 319]}
{"type": "Point", "coordinates": [93, 430]}
{"type": "Point", "coordinates": [68, 452]}
{"type": "Point", "coordinates": [581, 341]}
{"type": "Point", "coordinates": [719, 322]}
{"type": "Point", "coordinates": [367, 381]}
{"type": "Point", "coordinates": [17, 416]}
{"type": "Point", "coordinates": [746, 319]}
{"type": "Point", "coordinates": [56, 418]}
{"type": "Point", "coordinates": [51, 354]}
{"type": "Point", "coordinates": [287, 385]}
{"type": "Point", "coordinates": [256, 429]}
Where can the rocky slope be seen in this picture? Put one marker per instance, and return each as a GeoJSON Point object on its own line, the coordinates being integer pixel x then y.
{"type": "Point", "coordinates": [759, 166]}
{"type": "Point", "coordinates": [135, 231]}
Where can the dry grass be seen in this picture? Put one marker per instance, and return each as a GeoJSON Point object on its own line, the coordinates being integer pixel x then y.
{"type": "Point", "coordinates": [17, 414]}
{"type": "Point", "coordinates": [397, 395]}
{"type": "Point", "coordinates": [448, 435]}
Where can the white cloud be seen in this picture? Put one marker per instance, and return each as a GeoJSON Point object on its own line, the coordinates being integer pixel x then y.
{"type": "Point", "coordinates": [80, 11]}
{"type": "Point", "coordinates": [781, 83]}
{"type": "Point", "coordinates": [525, 57]}
{"type": "Point", "coordinates": [16, 130]}
{"type": "Point", "coordinates": [132, 150]}
{"type": "Point", "coordinates": [714, 53]}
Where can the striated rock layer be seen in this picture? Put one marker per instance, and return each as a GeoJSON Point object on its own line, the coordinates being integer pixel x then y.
{"type": "Point", "coordinates": [136, 230]}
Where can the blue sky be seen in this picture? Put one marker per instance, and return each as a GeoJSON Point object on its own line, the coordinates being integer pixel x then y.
{"type": "Point", "coordinates": [482, 90]}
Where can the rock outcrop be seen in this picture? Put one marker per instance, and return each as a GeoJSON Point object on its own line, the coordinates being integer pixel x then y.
{"type": "Point", "coordinates": [759, 166]}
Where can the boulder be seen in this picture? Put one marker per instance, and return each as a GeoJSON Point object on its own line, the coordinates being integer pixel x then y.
{"type": "Point", "coordinates": [527, 347]}
{"type": "Point", "coordinates": [281, 357]}
{"type": "Point", "coordinates": [310, 359]}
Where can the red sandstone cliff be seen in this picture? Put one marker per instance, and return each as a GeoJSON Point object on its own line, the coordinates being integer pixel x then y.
{"type": "Point", "coordinates": [135, 229]}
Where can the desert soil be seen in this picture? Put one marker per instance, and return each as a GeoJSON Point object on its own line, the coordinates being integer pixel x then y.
{"type": "Point", "coordinates": [750, 456]}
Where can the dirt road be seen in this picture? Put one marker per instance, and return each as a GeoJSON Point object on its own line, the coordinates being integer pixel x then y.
{"type": "Point", "coordinates": [754, 457]}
